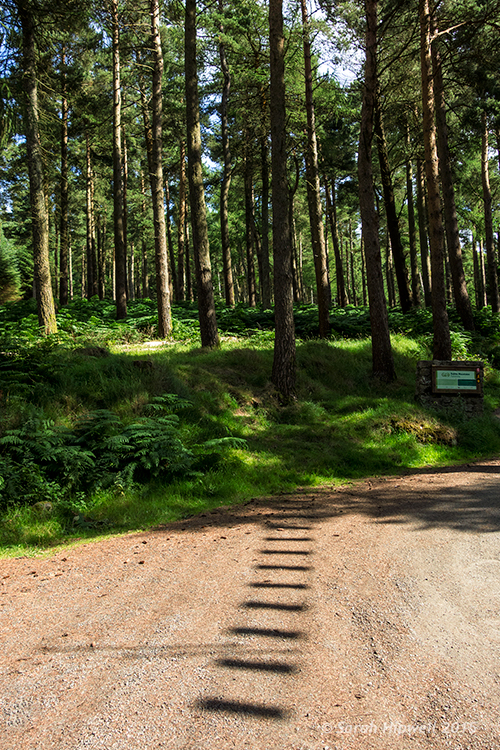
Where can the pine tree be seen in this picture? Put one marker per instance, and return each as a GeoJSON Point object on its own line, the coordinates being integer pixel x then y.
{"type": "Point", "coordinates": [39, 215]}
{"type": "Point", "coordinates": [201, 249]}
{"type": "Point", "coordinates": [284, 362]}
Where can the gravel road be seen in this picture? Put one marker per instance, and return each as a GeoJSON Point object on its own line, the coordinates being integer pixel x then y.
{"type": "Point", "coordinates": [330, 619]}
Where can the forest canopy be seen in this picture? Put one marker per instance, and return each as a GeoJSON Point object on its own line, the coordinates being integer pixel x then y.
{"type": "Point", "coordinates": [136, 159]}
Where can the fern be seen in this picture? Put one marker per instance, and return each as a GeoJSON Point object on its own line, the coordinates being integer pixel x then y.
{"type": "Point", "coordinates": [40, 460]}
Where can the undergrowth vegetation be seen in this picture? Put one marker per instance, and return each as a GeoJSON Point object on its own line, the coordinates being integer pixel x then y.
{"type": "Point", "coordinates": [103, 429]}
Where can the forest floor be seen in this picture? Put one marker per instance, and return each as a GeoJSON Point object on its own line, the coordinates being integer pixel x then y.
{"type": "Point", "coordinates": [361, 617]}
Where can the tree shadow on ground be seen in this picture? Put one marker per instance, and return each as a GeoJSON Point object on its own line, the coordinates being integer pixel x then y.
{"type": "Point", "coordinates": [422, 497]}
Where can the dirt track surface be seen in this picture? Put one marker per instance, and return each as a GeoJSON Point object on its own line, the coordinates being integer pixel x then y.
{"type": "Point", "coordinates": [365, 617]}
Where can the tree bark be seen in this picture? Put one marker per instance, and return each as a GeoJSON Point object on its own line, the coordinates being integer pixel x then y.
{"type": "Point", "coordinates": [423, 233]}
{"type": "Point", "coordinates": [363, 268]}
{"type": "Point", "coordinates": [118, 212]}
{"type": "Point", "coordinates": [70, 266]}
{"type": "Point", "coordinates": [390, 208]}
{"type": "Point", "coordinates": [293, 233]}
{"type": "Point", "coordinates": [162, 280]}
{"type": "Point", "coordinates": [477, 280]}
{"type": "Point", "coordinates": [226, 172]}
{"type": "Point", "coordinates": [39, 214]}
{"type": "Point", "coordinates": [249, 222]}
{"type": "Point", "coordinates": [331, 207]}
{"type": "Point", "coordinates": [266, 270]}
{"type": "Point", "coordinates": [91, 240]}
{"type": "Point", "coordinates": [442, 341]}
{"type": "Point", "coordinates": [125, 210]}
{"type": "Point", "coordinates": [415, 281]}
{"type": "Point", "coordinates": [63, 249]}
{"type": "Point", "coordinates": [382, 359]}
{"type": "Point", "coordinates": [313, 188]}
{"type": "Point", "coordinates": [144, 246]}
{"type": "Point", "coordinates": [389, 272]}
{"type": "Point", "coordinates": [482, 268]}
{"type": "Point", "coordinates": [173, 276]}
{"type": "Point", "coordinates": [181, 229]}
{"type": "Point", "coordinates": [189, 285]}
{"type": "Point", "coordinates": [297, 277]}
{"type": "Point", "coordinates": [284, 360]}
{"type": "Point", "coordinates": [460, 294]}
{"type": "Point", "coordinates": [131, 273]}
{"type": "Point", "coordinates": [493, 299]}
{"type": "Point", "coordinates": [101, 257]}
{"type": "Point", "coordinates": [201, 249]}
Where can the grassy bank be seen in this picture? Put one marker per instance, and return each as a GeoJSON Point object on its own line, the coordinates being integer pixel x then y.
{"type": "Point", "coordinates": [119, 432]}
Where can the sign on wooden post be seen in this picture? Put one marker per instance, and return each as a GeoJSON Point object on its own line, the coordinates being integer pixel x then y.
{"type": "Point", "coordinates": [456, 378]}
{"type": "Point", "coordinates": [455, 386]}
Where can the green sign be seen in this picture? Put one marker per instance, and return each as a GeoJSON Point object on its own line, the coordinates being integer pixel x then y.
{"type": "Point", "coordinates": [457, 380]}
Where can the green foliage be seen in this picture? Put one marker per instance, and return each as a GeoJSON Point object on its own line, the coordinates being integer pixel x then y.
{"type": "Point", "coordinates": [42, 462]}
{"type": "Point", "coordinates": [101, 439]}
{"type": "Point", "coordinates": [148, 448]}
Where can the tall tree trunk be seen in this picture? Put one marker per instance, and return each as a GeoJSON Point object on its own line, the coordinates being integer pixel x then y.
{"type": "Point", "coordinates": [351, 262]}
{"type": "Point", "coordinates": [423, 234]}
{"type": "Point", "coordinates": [284, 361]}
{"type": "Point", "coordinates": [189, 285]}
{"type": "Point", "coordinates": [298, 281]}
{"type": "Point", "coordinates": [460, 294]}
{"type": "Point", "coordinates": [293, 231]}
{"type": "Point", "coordinates": [488, 221]}
{"type": "Point", "coordinates": [83, 286]}
{"type": "Point", "coordinates": [70, 264]}
{"type": "Point", "coordinates": [258, 246]}
{"type": "Point", "coordinates": [118, 212]}
{"type": "Point", "coordinates": [390, 208]}
{"type": "Point", "coordinates": [162, 280]}
{"type": "Point", "coordinates": [106, 262]}
{"type": "Point", "coordinates": [353, 281]}
{"type": "Point", "coordinates": [148, 138]}
{"type": "Point", "coordinates": [313, 188]}
{"type": "Point", "coordinates": [389, 272]}
{"type": "Point", "coordinates": [363, 268]}
{"type": "Point", "coordinates": [477, 280]}
{"type": "Point", "coordinates": [101, 257]}
{"type": "Point", "coordinates": [382, 359]}
{"type": "Point", "coordinates": [201, 249]}
{"type": "Point", "coordinates": [144, 246]}
{"type": "Point", "coordinates": [331, 207]}
{"type": "Point", "coordinates": [484, 300]}
{"type": "Point", "coordinates": [181, 228]}
{"type": "Point", "coordinates": [125, 207]}
{"type": "Point", "coordinates": [131, 273]}
{"type": "Point", "coordinates": [442, 341]}
{"type": "Point", "coordinates": [266, 270]}
{"type": "Point", "coordinates": [415, 280]}
{"type": "Point", "coordinates": [449, 281]}
{"type": "Point", "coordinates": [92, 286]}
{"type": "Point", "coordinates": [249, 222]}
{"type": "Point", "coordinates": [39, 213]}
{"type": "Point", "coordinates": [57, 225]}
{"type": "Point", "coordinates": [63, 257]}
{"type": "Point", "coordinates": [174, 281]}
{"type": "Point", "coordinates": [226, 172]}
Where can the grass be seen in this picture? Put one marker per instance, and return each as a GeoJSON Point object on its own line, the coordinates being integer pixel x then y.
{"type": "Point", "coordinates": [342, 426]}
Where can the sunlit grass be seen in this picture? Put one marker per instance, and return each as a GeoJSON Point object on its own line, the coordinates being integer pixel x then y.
{"type": "Point", "coordinates": [342, 426]}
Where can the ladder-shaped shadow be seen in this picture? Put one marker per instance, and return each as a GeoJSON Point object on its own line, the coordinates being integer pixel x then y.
{"type": "Point", "coordinates": [285, 581]}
